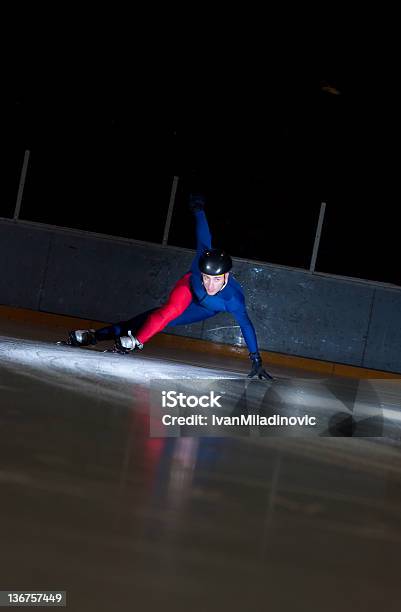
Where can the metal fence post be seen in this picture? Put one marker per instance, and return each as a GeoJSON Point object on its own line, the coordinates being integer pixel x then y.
{"type": "Point", "coordinates": [170, 210]}
{"type": "Point", "coordinates": [21, 185]}
{"type": "Point", "coordinates": [317, 237]}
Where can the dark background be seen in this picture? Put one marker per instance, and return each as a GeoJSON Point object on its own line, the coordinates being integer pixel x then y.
{"type": "Point", "coordinates": [265, 144]}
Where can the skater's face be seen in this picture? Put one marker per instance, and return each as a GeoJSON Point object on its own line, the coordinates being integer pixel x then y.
{"type": "Point", "coordinates": [214, 284]}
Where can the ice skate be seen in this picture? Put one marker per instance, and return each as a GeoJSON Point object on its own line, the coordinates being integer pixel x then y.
{"type": "Point", "coordinates": [125, 345]}
{"type": "Point", "coordinates": [80, 337]}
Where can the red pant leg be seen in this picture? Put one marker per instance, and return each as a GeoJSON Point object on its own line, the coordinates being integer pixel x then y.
{"type": "Point", "coordinates": [178, 300]}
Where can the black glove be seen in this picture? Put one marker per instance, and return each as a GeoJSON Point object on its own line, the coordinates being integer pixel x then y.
{"type": "Point", "coordinates": [196, 202]}
{"type": "Point", "coordinates": [257, 368]}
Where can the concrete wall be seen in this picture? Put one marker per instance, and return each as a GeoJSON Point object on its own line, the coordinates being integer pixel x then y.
{"type": "Point", "coordinates": [109, 279]}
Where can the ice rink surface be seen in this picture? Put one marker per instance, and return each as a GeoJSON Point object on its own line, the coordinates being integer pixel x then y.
{"type": "Point", "coordinates": [91, 504]}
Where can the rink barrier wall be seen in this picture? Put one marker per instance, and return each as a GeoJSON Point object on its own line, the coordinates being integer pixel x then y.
{"type": "Point", "coordinates": [64, 323]}
{"type": "Point", "coordinates": [296, 313]}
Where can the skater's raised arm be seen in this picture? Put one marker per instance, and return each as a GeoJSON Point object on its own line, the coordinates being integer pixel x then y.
{"type": "Point", "coordinates": [203, 237]}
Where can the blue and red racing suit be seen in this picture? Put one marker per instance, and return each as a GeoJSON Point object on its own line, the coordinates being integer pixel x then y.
{"type": "Point", "coordinates": [189, 302]}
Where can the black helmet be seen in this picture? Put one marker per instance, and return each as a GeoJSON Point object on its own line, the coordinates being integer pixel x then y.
{"type": "Point", "coordinates": [215, 262]}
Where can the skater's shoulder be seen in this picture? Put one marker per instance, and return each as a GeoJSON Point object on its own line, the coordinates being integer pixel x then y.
{"type": "Point", "coordinates": [234, 295]}
{"type": "Point", "coordinates": [234, 285]}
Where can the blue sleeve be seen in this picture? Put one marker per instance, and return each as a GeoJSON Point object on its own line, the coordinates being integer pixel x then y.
{"type": "Point", "coordinates": [248, 331]}
{"type": "Point", "coordinates": [203, 238]}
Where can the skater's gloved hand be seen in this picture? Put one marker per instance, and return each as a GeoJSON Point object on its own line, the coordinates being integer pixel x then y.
{"type": "Point", "coordinates": [257, 368]}
{"type": "Point", "coordinates": [196, 202]}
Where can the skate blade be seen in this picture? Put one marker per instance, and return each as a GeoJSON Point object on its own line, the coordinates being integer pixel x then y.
{"type": "Point", "coordinates": [117, 352]}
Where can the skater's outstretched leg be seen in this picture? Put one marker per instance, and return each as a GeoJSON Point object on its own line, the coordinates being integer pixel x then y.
{"type": "Point", "coordinates": [116, 330]}
{"type": "Point", "coordinates": [178, 300]}
{"type": "Point", "coordinates": [132, 334]}
{"type": "Point", "coordinates": [88, 337]}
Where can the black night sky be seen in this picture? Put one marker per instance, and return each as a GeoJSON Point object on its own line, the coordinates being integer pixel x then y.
{"type": "Point", "coordinates": [266, 146]}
